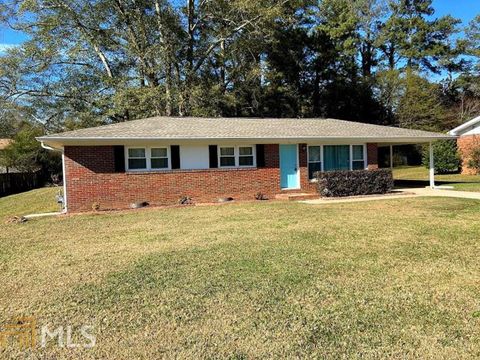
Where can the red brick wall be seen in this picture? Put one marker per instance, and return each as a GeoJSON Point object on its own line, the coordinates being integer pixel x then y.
{"type": "Point", "coordinates": [465, 145]}
{"type": "Point", "coordinates": [372, 156]}
{"type": "Point", "coordinates": [305, 183]}
{"type": "Point", "coordinates": [91, 179]}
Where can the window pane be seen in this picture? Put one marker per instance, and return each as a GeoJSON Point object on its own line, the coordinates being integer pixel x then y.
{"type": "Point", "coordinates": [358, 165]}
{"type": "Point", "coordinates": [314, 153]}
{"type": "Point", "coordinates": [357, 152]}
{"type": "Point", "coordinates": [227, 151]}
{"type": "Point", "coordinates": [246, 160]}
{"type": "Point", "coordinates": [336, 157]}
{"type": "Point", "coordinates": [227, 161]}
{"type": "Point", "coordinates": [160, 163]}
{"type": "Point", "coordinates": [159, 152]}
{"type": "Point", "coordinates": [136, 153]}
{"type": "Point", "coordinates": [246, 151]}
{"type": "Point", "coordinates": [313, 168]}
{"type": "Point", "coordinates": [137, 164]}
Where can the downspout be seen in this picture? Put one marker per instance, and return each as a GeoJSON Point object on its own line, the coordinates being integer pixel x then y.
{"type": "Point", "coordinates": [432, 167]}
{"type": "Point", "coordinates": [64, 177]}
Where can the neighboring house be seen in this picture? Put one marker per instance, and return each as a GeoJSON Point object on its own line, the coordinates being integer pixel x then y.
{"type": "Point", "coordinates": [468, 139]}
{"type": "Point", "coordinates": [159, 160]}
{"type": "Point", "coordinates": [3, 144]}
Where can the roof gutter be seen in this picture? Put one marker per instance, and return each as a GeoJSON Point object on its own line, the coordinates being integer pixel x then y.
{"type": "Point", "coordinates": [237, 138]}
{"type": "Point", "coordinates": [459, 129]}
{"type": "Point", "coordinates": [46, 147]}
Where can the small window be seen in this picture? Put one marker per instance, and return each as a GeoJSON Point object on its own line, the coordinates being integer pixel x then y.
{"type": "Point", "coordinates": [227, 156]}
{"type": "Point", "coordinates": [358, 160]}
{"type": "Point", "coordinates": [159, 158]}
{"type": "Point", "coordinates": [137, 159]}
{"type": "Point", "coordinates": [245, 156]}
{"type": "Point", "coordinates": [314, 161]}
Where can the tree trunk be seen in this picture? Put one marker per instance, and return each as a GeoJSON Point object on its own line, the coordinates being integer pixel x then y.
{"type": "Point", "coordinates": [168, 92]}
{"type": "Point", "coordinates": [316, 94]}
{"type": "Point", "coordinates": [190, 52]}
{"type": "Point", "coordinates": [222, 67]}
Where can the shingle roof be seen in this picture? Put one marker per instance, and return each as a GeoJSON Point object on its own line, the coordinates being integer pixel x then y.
{"type": "Point", "coordinates": [190, 128]}
{"type": "Point", "coordinates": [4, 143]}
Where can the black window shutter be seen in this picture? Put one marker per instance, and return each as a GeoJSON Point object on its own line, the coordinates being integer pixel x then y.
{"type": "Point", "coordinates": [175, 153]}
{"type": "Point", "coordinates": [213, 156]}
{"type": "Point", "coordinates": [260, 155]}
{"type": "Point", "coordinates": [119, 158]}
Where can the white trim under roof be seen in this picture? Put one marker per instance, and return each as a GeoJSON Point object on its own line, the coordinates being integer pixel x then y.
{"type": "Point", "coordinates": [60, 142]}
{"type": "Point", "coordinates": [469, 125]}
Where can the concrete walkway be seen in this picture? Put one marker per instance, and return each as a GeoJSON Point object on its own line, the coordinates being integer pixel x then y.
{"type": "Point", "coordinates": [402, 194]}
{"type": "Point", "coordinates": [445, 193]}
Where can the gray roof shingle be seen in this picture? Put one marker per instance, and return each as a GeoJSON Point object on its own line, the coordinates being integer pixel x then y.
{"type": "Point", "coordinates": [189, 128]}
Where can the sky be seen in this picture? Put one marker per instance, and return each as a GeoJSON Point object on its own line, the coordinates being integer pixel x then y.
{"type": "Point", "coordinates": [465, 10]}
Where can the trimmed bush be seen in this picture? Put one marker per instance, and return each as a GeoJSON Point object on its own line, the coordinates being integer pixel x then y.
{"type": "Point", "coordinates": [353, 183]}
{"type": "Point", "coordinates": [445, 155]}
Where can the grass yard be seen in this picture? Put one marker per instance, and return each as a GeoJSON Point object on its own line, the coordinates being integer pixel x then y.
{"type": "Point", "coordinates": [380, 279]}
{"type": "Point", "coordinates": [458, 181]}
{"type": "Point", "coordinates": [30, 202]}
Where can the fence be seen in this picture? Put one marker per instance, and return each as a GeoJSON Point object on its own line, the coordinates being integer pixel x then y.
{"type": "Point", "coordinates": [13, 183]}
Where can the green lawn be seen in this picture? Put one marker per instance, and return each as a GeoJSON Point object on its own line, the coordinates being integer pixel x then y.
{"type": "Point", "coordinates": [30, 202]}
{"type": "Point", "coordinates": [458, 181]}
{"type": "Point", "coordinates": [251, 280]}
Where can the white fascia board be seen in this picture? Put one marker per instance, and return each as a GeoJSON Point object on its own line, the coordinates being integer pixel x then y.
{"type": "Point", "coordinates": [59, 142]}
{"type": "Point", "coordinates": [459, 130]}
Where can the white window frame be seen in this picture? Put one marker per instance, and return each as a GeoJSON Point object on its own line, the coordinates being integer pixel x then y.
{"type": "Point", "coordinates": [236, 154]}
{"type": "Point", "coordinates": [219, 147]}
{"type": "Point", "coordinates": [364, 156]}
{"type": "Point", "coordinates": [365, 164]}
{"type": "Point", "coordinates": [322, 160]}
{"type": "Point", "coordinates": [167, 157]}
{"type": "Point", "coordinates": [148, 156]}
{"type": "Point", "coordinates": [254, 159]}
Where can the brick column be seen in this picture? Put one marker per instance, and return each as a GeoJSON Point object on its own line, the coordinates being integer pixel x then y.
{"type": "Point", "coordinates": [465, 146]}
{"type": "Point", "coordinates": [372, 156]}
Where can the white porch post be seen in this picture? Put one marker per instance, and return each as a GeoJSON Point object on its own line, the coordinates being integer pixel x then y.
{"type": "Point", "coordinates": [432, 168]}
{"type": "Point", "coordinates": [64, 182]}
{"type": "Point", "coordinates": [391, 157]}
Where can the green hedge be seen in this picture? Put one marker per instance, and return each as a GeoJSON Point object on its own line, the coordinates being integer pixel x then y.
{"type": "Point", "coordinates": [445, 155]}
{"type": "Point", "coordinates": [353, 183]}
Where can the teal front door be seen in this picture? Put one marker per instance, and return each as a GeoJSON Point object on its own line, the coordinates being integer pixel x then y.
{"type": "Point", "coordinates": [289, 167]}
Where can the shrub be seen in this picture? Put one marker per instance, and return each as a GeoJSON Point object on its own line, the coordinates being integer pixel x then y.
{"type": "Point", "coordinates": [445, 155]}
{"type": "Point", "coordinates": [260, 196]}
{"type": "Point", "coordinates": [356, 182]}
{"type": "Point", "coordinates": [474, 159]}
{"type": "Point", "coordinates": [185, 200]}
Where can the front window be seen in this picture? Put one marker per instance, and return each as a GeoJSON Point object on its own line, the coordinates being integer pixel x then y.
{"type": "Point", "coordinates": [227, 156]}
{"type": "Point", "coordinates": [245, 157]}
{"type": "Point", "coordinates": [358, 160]}
{"type": "Point", "coordinates": [159, 158]}
{"type": "Point", "coordinates": [137, 159]}
{"type": "Point", "coordinates": [336, 157]}
{"type": "Point", "coordinates": [314, 160]}
{"type": "Point", "coordinates": [236, 156]}
{"type": "Point", "coordinates": [147, 158]}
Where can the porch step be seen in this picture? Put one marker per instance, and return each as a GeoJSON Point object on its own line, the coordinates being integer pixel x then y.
{"type": "Point", "coordinates": [296, 196]}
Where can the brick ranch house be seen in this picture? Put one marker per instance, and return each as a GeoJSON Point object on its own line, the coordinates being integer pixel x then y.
{"type": "Point", "coordinates": [161, 159]}
{"type": "Point", "coordinates": [468, 138]}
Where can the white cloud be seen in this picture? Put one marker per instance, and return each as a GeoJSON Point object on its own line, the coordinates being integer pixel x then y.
{"type": "Point", "coordinates": [5, 47]}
